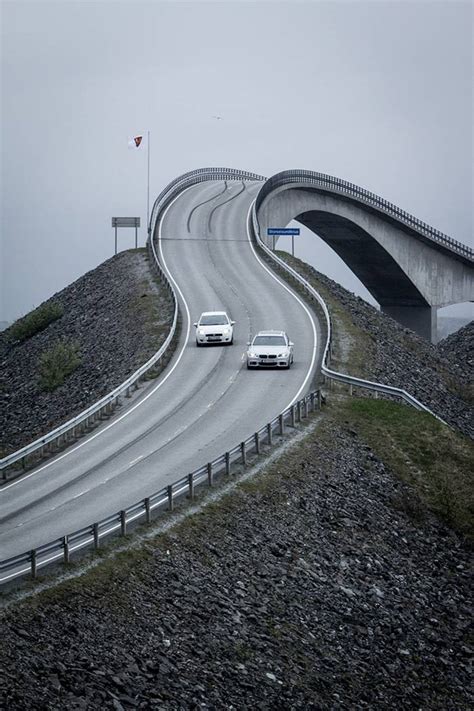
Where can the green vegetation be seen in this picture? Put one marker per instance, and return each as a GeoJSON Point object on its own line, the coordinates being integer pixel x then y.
{"type": "Point", "coordinates": [352, 347]}
{"type": "Point", "coordinates": [435, 460]}
{"type": "Point", "coordinates": [57, 363]}
{"type": "Point", "coordinates": [36, 321]}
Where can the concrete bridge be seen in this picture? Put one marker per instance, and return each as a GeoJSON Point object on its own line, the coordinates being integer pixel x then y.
{"type": "Point", "coordinates": [410, 268]}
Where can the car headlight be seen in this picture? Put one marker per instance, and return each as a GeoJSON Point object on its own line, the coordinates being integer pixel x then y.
{"type": "Point", "coordinates": [285, 354]}
{"type": "Point", "coordinates": [201, 332]}
{"type": "Point", "coordinates": [226, 331]}
{"type": "Point", "coordinates": [252, 355]}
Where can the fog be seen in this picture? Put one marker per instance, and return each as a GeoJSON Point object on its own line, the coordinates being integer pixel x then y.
{"type": "Point", "coordinates": [377, 93]}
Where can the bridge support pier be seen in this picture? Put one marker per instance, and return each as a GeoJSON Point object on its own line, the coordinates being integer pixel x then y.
{"type": "Point", "coordinates": [421, 319]}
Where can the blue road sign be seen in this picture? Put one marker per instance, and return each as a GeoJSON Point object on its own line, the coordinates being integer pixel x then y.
{"type": "Point", "coordinates": [283, 231]}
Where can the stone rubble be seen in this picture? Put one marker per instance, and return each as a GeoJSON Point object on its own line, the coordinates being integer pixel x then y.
{"type": "Point", "coordinates": [106, 313]}
{"type": "Point", "coordinates": [311, 588]}
{"type": "Point", "coordinates": [322, 584]}
{"type": "Point", "coordinates": [439, 376]}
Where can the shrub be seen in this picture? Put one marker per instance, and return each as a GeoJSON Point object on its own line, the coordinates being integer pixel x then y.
{"type": "Point", "coordinates": [57, 363]}
{"type": "Point", "coordinates": [36, 321]}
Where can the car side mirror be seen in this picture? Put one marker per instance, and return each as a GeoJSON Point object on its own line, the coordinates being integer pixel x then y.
{"type": "Point", "coordinates": [232, 323]}
{"type": "Point", "coordinates": [195, 324]}
{"type": "Point", "coordinates": [248, 343]}
{"type": "Point", "coordinates": [291, 344]}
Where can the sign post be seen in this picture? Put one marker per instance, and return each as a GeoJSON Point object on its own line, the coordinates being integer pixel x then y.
{"type": "Point", "coordinates": [291, 231]}
{"type": "Point", "coordinates": [126, 222]}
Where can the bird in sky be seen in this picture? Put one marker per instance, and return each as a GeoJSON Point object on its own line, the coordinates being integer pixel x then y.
{"type": "Point", "coordinates": [219, 118]}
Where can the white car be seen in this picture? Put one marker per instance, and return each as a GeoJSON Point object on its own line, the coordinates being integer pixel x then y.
{"type": "Point", "coordinates": [270, 349]}
{"type": "Point", "coordinates": [214, 327]}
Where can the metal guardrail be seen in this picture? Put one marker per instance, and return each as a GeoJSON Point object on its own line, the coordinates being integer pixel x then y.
{"type": "Point", "coordinates": [328, 183]}
{"type": "Point", "coordinates": [228, 463]}
{"type": "Point", "coordinates": [78, 425]}
{"type": "Point", "coordinates": [90, 536]}
{"type": "Point", "coordinates": [325, 369]}
{"type": "Point", "coordinates": [79, 539]}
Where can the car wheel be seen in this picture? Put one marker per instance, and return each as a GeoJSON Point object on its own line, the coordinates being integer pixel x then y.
{"type": "Point", "coordinates": [198, 344]}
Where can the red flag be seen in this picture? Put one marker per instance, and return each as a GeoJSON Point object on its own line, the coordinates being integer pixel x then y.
{"type": "Point", "coordinates": [135, 142]}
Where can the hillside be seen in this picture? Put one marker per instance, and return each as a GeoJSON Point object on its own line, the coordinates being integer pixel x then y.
{"type": "Point", "coordinates": [370, 344]}
{"type": "Point", "coordinates": [336, 578]}
{"type": "Point", "coordinates": [118, 314]}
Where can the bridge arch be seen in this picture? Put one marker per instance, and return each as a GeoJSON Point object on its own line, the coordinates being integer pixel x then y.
{"type": "Point", "coordinates": [409, 268]}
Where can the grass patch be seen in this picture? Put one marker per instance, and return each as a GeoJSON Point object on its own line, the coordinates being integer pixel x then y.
{"type": "Point", "coordinates": [36, 321]}
{"type": "Point", "coordinates": [435, 460]}
{"type": "Point", "coordinates": [56, 363]}
{"type": "Point", "coordinates": [352, 347]}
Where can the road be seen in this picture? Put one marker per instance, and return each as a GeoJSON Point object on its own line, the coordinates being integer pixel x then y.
{"type": "Point", "coordinates": [203, 404]}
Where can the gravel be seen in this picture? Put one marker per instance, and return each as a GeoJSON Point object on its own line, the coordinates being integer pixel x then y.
{"type": "Point", "coordinates": [440, 376]}
{"type": "Point", "coordinates": [322, 584]}
{"type": "Point", "coordinates": [310, 587]}
{"type": "Point", "coordinates": [117, 313]}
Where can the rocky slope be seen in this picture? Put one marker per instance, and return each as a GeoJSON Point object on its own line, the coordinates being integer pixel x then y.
{"type": "Point", "coordinates": [321, 585]}
{"type": "Point", "coordinates": [309, 588]}
{"type": "Point", "coordinates": [119, 316]}
{"type": "Point", "coordinates": [459, 348]}
{"type": "Point", "coordinates": [441, 377]}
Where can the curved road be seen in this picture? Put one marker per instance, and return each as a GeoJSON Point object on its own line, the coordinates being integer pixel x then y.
{"type": "Point", "coordinates": [203, 404]}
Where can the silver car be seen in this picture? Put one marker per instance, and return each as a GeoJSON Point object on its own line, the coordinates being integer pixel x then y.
{"type": "Point", "coordinates": [270, 349]}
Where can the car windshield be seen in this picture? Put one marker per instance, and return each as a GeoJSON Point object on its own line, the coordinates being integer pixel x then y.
{"type": "Point", "coordinates": [214, 320]}
{"type": "Point", "coordinates": [269, 341]}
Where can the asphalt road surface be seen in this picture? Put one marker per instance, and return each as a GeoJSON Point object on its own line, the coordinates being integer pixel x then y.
{"type": "Point", "coordinates": [204, 403]}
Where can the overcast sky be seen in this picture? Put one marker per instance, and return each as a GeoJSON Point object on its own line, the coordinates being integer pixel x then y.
{"type": "Point", "coordinates": [378, 93]}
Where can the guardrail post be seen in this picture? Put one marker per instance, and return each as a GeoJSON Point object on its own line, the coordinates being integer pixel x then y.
{"type": "Point", "coordinates": [281, 422]}
{"type": "Point", "coordinates": [191, 485]}
{"type": "Point", "coordinates": [23, 463]}
{"type": "Point", "coordinates": [33, 563]}
{"type": "Point", "coordinates": [227, 463]}
{"type": "Point", "coordinates": [95, 533]}
{"type": "Point", "coordinates": [244, 453]}
{"type": "Point", "coordinates": [350, 389]}
{"type": "Point", "coordinates": [123, 523]}
{"type": "Point", "coordinates": [209, 473]}
{"type": "Point", "coordinates": [66, 549]}
{"type": "Point", "coordinates": [269, 433]}
{"type": "Point", "coordinates": [147, 509]}
{"type": "Point", "coordinates": [127, 392]}
{"type": "Point", "coordinates": [170, 496]}
{"type": "Point", "coordinates": [298, 411]}
{"type": "Point", "coordinates": [305, 403]}
{"type": "Point", "coordinates": [257, 442]}
{"type": "Point", "coordinates": [292, 415]}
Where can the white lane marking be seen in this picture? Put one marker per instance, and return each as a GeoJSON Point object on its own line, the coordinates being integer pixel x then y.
{"type": "Point", "coordinates": [152, 392]}
{"type": "Point", "coordinates": [313, 325]}
{"type": "Point", "coordinates": [78, 495]}
{"type": "Point", "coordinates": [134, 461]}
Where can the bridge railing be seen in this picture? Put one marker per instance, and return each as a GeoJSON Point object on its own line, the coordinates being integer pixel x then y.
{"type": "Point", "coordinates": [332, 375]}
{"type": "Point", "coordinates": [329, 183]}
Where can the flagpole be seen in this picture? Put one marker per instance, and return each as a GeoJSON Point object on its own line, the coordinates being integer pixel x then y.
{"type": "Point", "coordinates": [148, 189]}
